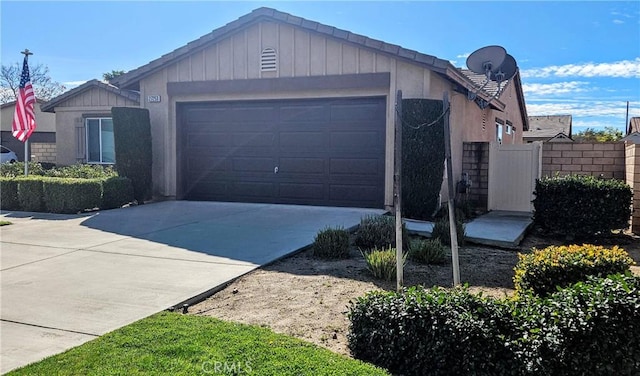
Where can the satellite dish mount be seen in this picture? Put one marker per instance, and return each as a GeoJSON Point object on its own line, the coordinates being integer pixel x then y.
{"type": "Point", "coordinates": [496, 65]}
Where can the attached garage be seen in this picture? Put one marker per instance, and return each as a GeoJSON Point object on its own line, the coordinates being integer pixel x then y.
{"type": "Point", "coordinates": [328, 151]}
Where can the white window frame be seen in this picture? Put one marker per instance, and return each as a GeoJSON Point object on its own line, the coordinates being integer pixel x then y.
{"type": "Point", "coordinates": [88, 151]}
{"type": "Point", "coordinates": [499, 137]}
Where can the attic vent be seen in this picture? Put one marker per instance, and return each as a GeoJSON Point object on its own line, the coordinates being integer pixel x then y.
{"type": "Point", "coordinates": [268, 60]}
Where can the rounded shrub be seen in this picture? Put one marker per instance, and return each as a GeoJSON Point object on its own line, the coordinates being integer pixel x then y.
{"type": "Point", "coordinates": [576, 205]}
{"type": "Point", "coordinates": [382, 262]}
{"type": "Point", "coordinates": [331, 243]}
{"type": "Point", "coordinates": [441, 231]}
{"type": "Point", "coordinates": [427, 251]}
{"type": "Point", "coordinates": [543, 271]}
{"type": "Point", "coordinates": [378, 231]}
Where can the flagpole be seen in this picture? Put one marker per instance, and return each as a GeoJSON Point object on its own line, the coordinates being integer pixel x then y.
{"type": "Point", "coordinates": [26, 157]}
{"type": "Point", "coordinates": [26, 54]}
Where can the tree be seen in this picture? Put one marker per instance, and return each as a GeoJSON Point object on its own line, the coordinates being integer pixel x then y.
{"type": "Point", "coordinates": [111, 75]}
{"type": "Point", "coordinates": [44, 87]}
{"type": "Point", "coordinates": [592, 135]}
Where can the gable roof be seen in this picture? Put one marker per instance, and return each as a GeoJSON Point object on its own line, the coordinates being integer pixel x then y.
{"type": "Point", "coordinates": [131, 79]}
{"type": "Point", "coordinates": [560, 137]}
{"type": "Point", "coordinates": [127, 94]}
{"type": "Point", "coordinates": [634, 125]}
{"type": "Point", "coordinates": [548, 126]}
{"type": "Point", "coordinates": [13, 103]}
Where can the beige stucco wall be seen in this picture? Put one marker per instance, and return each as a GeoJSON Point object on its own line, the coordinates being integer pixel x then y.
{"type": "Point", "coordinates": [302, 54]}
{"type": "Point", "coordinates": [45, 121]}
{"type": "Point", "coordinates": [71, 113]}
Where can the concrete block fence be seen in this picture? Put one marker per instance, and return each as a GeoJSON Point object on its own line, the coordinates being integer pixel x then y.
{"type": "Point", "coordinates": [616, 160]}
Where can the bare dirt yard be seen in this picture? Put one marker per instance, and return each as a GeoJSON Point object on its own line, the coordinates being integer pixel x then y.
{"type": "Point", "coordinates": [306, 297]}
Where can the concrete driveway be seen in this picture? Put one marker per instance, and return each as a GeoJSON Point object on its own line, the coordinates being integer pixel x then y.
{"type": "Point", "coordinates": [67, 279]}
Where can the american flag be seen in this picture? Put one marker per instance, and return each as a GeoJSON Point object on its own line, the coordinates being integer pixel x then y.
{"type": "Point", "coordinates": [24, 120]}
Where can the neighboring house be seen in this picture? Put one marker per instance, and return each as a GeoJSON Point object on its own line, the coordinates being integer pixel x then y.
{"type": "Point", "coordinates": [276, 108]}
{"type": "Point", "coordinates": [42, 143]}
{"type": "Point", "coordinates": [632, 138]}
{"type": "Point", "coordinates": [544, 128]}
{"type": "Point", "coordinates": [560, 137]}
{"type": "Point", "coordinates": [84, 130]}
{"type": "Point", "coordinates": [634, 125]}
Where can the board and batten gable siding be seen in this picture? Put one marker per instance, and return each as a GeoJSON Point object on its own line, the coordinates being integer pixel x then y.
{"type": "Point", "coordinates": [300, 53]}
{"type": "Point", "coordinates": [96, 97]}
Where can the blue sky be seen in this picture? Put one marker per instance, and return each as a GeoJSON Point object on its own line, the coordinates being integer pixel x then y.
{"type": "Point", "coordinates": [580, 58]}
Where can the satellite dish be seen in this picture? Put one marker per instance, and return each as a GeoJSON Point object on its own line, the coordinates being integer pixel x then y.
{"type": "Point", "coordinates": [505, 71]}
{"type": "Point", "coordinates": [486, 60]}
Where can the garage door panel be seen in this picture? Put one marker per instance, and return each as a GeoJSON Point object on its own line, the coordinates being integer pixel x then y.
{"type": "Point", "coordinates": [302, 140]}
{"type": "Point", "coordinates": [353, 193]}
{"type": "Point", "coordinates": [254, 165]}
{"type": "Point", "coordinates": [304, 113]}
{"type": "Point", "coordinates": [301, 165]}
{"type": "Point", "coordinates": [327, 151]}
{"type": "Point", "coordinates": [207, 140]}
{"type": "Point", "coordinates": [354, 112]}
{"type": "Point", "coordinates": [310, 191]}
{"type": "Point", "coordinates": [355, 166]}
{"type": "Point", "coordinates": [253, 189]}
{"type": "Point", "coordinates": [355, 140]}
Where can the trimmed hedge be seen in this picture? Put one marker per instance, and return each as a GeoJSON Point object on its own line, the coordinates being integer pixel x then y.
{"type": "Point", "coordinates": [132, 137]}
{"type": "Point", "coordinates": [581, 205]}
{"type": "Point", "coordinates": [422, 157]}
{"type": "Point", "coordinates": [591, 328]}
{"type": "Point", "coordinates": [430, 332]}
{"type": "Point", "coordinates": [9, 194]}
{"type": "Point", "coordinates": [67, 195]}
{"type": "Point", "coordinates": [543, 271]}
{"type": "Point", "coordinates": [63, 195]}
{"type": "Point", "coordinates": [116, 192]}
{"type": "Point", "coordinates": [30, 193]}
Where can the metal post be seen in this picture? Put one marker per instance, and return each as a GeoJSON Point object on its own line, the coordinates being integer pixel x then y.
{"type": "Point", "coordinates": [397, 190]}
{"type": "Point", "coordinates": [26, 157]}
{"type": "Point", "coordinates": [453, 233]}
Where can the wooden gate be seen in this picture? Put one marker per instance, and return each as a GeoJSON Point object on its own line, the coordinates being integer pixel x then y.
{"type": "Point", "coordinates": [513, 170]}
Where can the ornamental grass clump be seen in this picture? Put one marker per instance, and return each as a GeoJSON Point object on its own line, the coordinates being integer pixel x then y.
{"type": "Point", "coordinates": [427, 251]}
{"type": "Point", "coordinates": [331, 243]}
{"type": "Point", "coordinates": [543, 271]}
{"type": "Point", "coordinates": [378, 231]}
{"type": "Point", "coordinates": [382, 262]}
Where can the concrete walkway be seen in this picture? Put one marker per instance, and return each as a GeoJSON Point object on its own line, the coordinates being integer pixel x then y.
{"type": "Point", "coordinates": [502, 229]}
{"type": "Point", "coordinates": [66, 279]}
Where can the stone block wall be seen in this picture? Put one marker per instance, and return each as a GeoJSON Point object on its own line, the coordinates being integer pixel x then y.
{"type": "Point", "coordinates": [606, 159]}
{"type": "Point", "coordinates": [475, 162]}
{"type": "Point", "coordinates": [43, 152]}
{"type": "Point", "coordinates": [632, 159]}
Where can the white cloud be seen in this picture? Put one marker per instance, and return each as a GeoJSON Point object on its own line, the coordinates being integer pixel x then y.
{"type": "Point", "coordinates": [554, 88]}
{"type": "Point", "coordinates": [585, 108]}
{"type": "Point", "coordinates": [72, 84]}
{"type": "Point", "coordinates": [623, 68]}
{"type": "Point", "coordinates": [618, 22]}
{"type": "Point", "coordinates": [464, 55]}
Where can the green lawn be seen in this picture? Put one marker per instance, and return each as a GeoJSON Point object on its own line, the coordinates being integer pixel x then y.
{"type": "Point", "coordinates": [176, 344]}
{"type": "Point", "coordinates": [5, 223]}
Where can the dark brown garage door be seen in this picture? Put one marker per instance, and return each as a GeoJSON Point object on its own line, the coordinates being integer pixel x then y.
{"type": "Point", "coordinates": [313, 152]}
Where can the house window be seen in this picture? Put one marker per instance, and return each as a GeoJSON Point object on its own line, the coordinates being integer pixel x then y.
{"type": "Point", "coordinates": [100, 143]}
{"type": "Point", "coordinates": [509, 129]}
{"type": "Point", "coordinates": [268, 60]}
{"type": "Point", "coordinates": [499, 131]}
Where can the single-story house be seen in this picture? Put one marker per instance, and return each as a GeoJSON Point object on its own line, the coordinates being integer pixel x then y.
{"type": "Point", "coordinates": [42, 143]}
{"type": "Point", "coordinates": [83, 121]}
{"type": "Point", "coordinates": [276, 108]}
{"type": "Point", "coordinates": [544, 128]}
